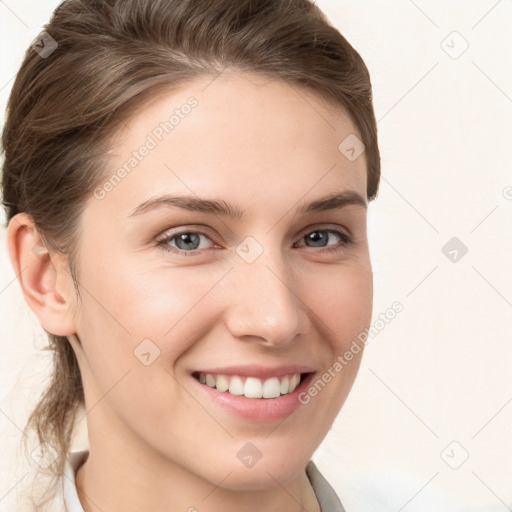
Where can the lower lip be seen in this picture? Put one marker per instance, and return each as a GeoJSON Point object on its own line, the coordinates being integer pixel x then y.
{"type": "Point", "coordinates": [257, 409]}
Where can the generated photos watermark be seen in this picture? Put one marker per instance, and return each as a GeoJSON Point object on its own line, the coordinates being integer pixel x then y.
{"type": "Point", "coordinates": [156, 136]}
{"type": "Point", "coordinates": [362, 339]}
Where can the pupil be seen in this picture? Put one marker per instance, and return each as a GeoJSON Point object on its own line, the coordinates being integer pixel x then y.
{"type": "Point", "coordinates": [186, 238]}
{"type": "Point", "coordinates": [316, 236]}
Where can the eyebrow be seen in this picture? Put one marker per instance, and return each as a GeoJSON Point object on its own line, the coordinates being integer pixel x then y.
{"type": "Point", "coordinates": [333, 201]}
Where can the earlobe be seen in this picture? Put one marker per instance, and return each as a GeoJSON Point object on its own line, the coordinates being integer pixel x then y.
{"type": "Point", "coordinates": [39, 276]}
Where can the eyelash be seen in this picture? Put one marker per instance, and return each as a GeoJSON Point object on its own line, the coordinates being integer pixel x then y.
{"type": "Point", "coordinates": [163, 243]}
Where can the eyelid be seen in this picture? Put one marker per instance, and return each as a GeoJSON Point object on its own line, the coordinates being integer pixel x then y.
{"type": "Point", "coordinates": [186, 228]}
{"type": "Point", "coordinates": [325, 227]}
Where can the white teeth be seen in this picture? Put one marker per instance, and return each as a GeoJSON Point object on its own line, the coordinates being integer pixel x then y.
{"type": "Point", "coordinates": [294, 382]}
{"type": "Point", "coordinates": [251, 387]}
{"type": "Point", "coordinates": [236, 386]}
{"type": "Point", "coordinates": [222, 383]}
{"type": "Point", "coordinates": [285, 385]}
{"type": "Point", "coordinates": [271, 388]}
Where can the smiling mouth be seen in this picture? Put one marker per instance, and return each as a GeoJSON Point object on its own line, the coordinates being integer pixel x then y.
{"type": "Point", "coordinates": [251, 387]}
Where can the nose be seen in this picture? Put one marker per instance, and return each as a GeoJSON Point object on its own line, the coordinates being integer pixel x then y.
{"type": "Point", "coordinates": [265, 301]}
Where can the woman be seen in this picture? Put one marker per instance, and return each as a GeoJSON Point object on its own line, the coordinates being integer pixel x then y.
{"type": "Point", "coordinates": [186, 185]}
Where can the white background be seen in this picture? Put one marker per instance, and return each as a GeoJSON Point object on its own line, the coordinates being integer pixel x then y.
{"type": "Point", "coordinates": [440, 372]}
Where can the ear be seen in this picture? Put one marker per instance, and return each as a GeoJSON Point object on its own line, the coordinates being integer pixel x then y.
{"type": "Point", "coordinates": [45, 282]}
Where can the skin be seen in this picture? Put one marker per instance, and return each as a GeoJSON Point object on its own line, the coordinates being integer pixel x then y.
{"type": "Point", "coordinates": [267, 148]}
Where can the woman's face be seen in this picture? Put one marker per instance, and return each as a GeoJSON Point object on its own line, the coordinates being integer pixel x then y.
{"type": "Point", "coordinates": [264, 291]}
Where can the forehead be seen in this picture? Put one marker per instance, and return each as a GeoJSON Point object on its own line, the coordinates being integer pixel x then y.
{"type": "Point", "coordinates": [236, 136]}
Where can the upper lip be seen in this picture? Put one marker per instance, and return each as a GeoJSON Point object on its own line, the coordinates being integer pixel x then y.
{"type": "Point", "coordinates": [261, 372]}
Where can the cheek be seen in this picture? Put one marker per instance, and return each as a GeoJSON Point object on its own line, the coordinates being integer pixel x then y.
{"type": "Point", "coordinates": [163, 312]}
{"type": "Point", "coordinates": [342, 299]}
{"type": "Point", "coordinates": [133, 338]}
{"type": "Point", "coordinates": [150, 301]}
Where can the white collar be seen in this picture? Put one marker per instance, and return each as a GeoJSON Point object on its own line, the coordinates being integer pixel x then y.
{"type": "Point", "coordinates": [71, 501]}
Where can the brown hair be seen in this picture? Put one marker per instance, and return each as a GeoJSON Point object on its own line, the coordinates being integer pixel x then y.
{"type": "Point", "coordinates": [110, 56]}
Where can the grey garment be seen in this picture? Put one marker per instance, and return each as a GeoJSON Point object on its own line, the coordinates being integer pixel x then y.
{"type": "Point", "coordinates": [325, 494]}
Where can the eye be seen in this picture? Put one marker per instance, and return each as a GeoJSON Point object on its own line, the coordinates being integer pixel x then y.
{"type": "Point", "coordinates": [187, 242]}
{"type": "Point", "coordinates": [320, 238]}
